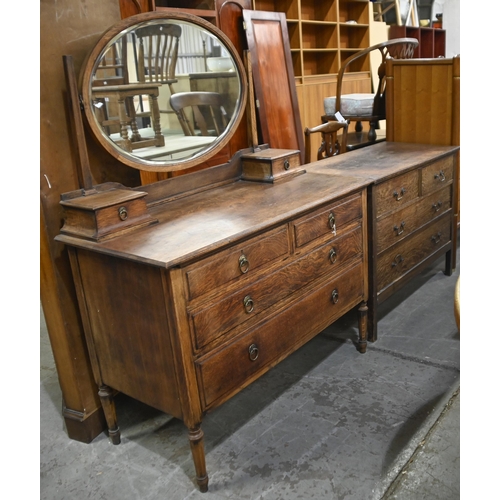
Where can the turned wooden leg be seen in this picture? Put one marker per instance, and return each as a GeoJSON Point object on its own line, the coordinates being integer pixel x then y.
{"type": "Point", "coordinates": [372, 133]}
{"type": "Point", "coordinates": [156, 123]}
{"type": "Point", "coordinates": [108, 406]}
{"type": "Point", "coordinates": [363, 326]}
{"type": "Point", "coordinates": [198, 452]}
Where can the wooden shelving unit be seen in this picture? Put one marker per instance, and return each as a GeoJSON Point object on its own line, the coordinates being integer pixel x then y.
{"type": "Point", "coordinates": [322, 36]}
{"type": "Point", "coordinates": [432, 41]}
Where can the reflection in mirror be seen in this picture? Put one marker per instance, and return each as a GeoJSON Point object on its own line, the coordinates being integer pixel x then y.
{"type": "Point", "coordinates": [164, 91]}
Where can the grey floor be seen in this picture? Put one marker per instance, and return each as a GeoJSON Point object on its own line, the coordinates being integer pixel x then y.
{"type": "Point", "coordinates": [327, 423]}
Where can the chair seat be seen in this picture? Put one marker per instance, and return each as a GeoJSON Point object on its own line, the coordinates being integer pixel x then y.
{"type": "Point", "coordinates": [352, 105]}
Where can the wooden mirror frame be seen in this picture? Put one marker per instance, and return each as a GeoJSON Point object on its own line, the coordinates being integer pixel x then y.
{"type": "Point", "coordinates": [129, 159]}
{"type": "Point", "coordinates": [272, 70]}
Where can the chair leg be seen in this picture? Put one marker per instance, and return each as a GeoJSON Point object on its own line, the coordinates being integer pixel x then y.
{"type": "Point", "coordinates": [372, 133]}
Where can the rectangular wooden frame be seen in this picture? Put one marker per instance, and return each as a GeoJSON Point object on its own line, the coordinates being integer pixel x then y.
{"type": "Point", "coordinates": [275, 91]}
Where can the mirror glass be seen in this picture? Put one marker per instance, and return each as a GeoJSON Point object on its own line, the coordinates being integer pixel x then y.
{"type": "Point", "coordinates": [164, 92]}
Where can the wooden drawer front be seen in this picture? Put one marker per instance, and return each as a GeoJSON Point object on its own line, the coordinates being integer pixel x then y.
{"type": "Point", "coordinates": [436, 174]}
{"type": "Point", "coordinates": [241, 260]}
{"type": "Point", "coordinates": [397, 226]}
{"type": "Point", "coordinates": [215, 320]}
{"type": "Point", "coordinates": [398, 260]}
{"type": "Point", "coordinates": [395, 193]}
{"type": "Point", "coordinates": [318, 224]}
{"type": "Point", "coordinates": [231, 367]}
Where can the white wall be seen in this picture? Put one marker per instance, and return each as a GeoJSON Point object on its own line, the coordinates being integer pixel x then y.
{"type": "Point", "coordinates": [451, 23]}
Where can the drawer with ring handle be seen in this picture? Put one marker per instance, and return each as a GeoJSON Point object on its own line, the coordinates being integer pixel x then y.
{"type": "Point", "coordinates": [231, 367]}
{"type": "Point", "coordinates": [238, 261]}
{"type": "Point", "coordinates": [401, 258]}
{"type": "Point", "coordinates": [436, 174]}
{"type": "Point", "coordinates": [395, 193]}
{"type": "Point", "coordinates": [397, 226]}
{"type": "Point", "coordinates": [213, 319]}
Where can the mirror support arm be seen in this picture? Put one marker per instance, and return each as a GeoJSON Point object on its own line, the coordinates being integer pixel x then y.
{"type": "Point", "coordinates": [83, 165]}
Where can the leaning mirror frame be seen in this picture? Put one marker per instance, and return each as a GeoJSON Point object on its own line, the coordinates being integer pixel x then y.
{"type": "Point", "coordinates": [93, 99]}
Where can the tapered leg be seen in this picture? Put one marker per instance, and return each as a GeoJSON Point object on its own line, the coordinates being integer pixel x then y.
{"type": "Point", "coordinates": [108, 406]}
{"type": "Point", "coordinates": [363, 326]}
{"type": "Point", "coordinates": [198, 452]}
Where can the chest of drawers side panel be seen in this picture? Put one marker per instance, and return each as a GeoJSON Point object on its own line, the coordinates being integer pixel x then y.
{"type": "Point", "coordinates": [133, 349]}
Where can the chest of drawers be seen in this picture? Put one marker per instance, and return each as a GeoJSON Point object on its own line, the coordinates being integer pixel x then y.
{"type": "Point", "coordinates": [185, 313]}
{"type": "Point", "coordinates": [410, 212]}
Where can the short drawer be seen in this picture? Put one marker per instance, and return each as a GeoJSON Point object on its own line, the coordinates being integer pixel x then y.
{"type": "Point", "coordinates": [209, 323]}
{"type": "Point", "coordinates": [402, 258]}
{"type": "Point", "coordinates": [436, 174]}
{"type": "Point", "coordinates": [231, 368]}
{"type": "Point", "coordinates": [240, 260]}
{"type": "Point", "coordinates": [322, 222]}
{"type": "Point", "coordinates": [395, 193]}
{"type": "Point", "coordinates": [398, 225]}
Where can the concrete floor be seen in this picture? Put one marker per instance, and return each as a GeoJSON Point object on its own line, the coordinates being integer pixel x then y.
{"type": "Point", "coordinates": [327, 423]}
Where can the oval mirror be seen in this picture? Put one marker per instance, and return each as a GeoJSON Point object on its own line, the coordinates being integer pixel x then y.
{"type": "Point", "coordinates": [163, 92]}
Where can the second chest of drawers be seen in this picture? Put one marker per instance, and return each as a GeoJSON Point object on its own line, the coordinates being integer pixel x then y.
{"type": "Point", "coordinates": [411, 216]}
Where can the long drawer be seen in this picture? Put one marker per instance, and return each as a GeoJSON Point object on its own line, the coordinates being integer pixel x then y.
{"type": "Point", "coordinates": [322, 223]}
{"type": "Point", "coordinates": [232, 367]}
{"type": "Point", "coordinates": [396, 262]}
{"type": "Point", "coordinates": [398, 225]}
{"type": "Point", "coordinates": [211, 321]}
{"type": "Point", "coordinates": [243, 259]}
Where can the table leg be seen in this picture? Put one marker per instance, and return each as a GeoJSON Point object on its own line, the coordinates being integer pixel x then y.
{"type": "Point", "coordinates": [108, 406]}
{"type": "Point", "coordinates": [363, 326]}
{"type": "Point", "coordinates": [198, 452]}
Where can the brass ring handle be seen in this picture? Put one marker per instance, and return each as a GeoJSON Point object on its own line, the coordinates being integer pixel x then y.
{"type": "Point", "coordinates": [436, 238]}
{"type": "Point", "coordinates": [399, 196]}
{"type": "Point", "coordinates": [332, 255]}
{"type": "Point", "coordinates": [286, 165]}
{"type": "Point", "coordinates": [399, 230]}
{"type": "Point", "coordinates": [243, 263]}
{"type": "Point", "coordinates": [122, 213]}
{"type": "Point", "coordinates": [331, 220]}
{"type": "Point", "coordinates": [437, 206]}
{"type": "Point", "coordinates": [399, 259]}
{"type": "Point", "coordinates": [335, 296]}
{"type": "Point", "coordinates": [248, 304]}
{"type": "Point", "coordinates": [440, 176]}
{"type": "Point", "coordinates": [253, 352]}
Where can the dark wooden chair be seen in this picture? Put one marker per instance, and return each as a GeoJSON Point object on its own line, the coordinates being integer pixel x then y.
{"type": "Point", "coordinates": [362, 107]}
{"type": "Point", "coordinates": [207, 111]}
{"type": "Point", "coordinates": [329, 140]}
